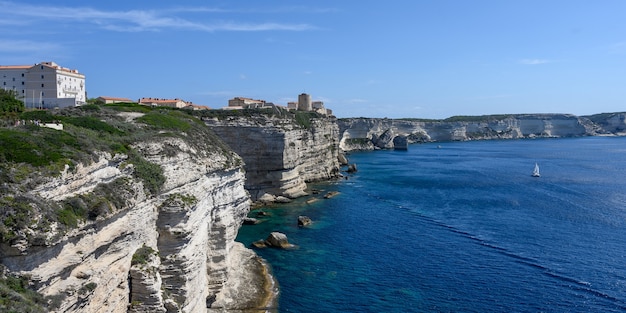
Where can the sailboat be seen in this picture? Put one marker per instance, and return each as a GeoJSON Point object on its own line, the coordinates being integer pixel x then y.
{"type": "Point", "coordinates": [536, 171]}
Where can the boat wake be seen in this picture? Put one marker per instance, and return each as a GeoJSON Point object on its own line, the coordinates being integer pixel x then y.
{"type": "Point", "coordinates": [573, 283]}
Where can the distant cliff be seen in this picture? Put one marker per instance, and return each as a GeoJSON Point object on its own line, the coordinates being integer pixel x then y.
{"type": "Point", "coordinates": [129, 209]}
{"type": "Point", "coordinates": [372, 133]}
{"type": "Point", "coordinates": [282, 150]}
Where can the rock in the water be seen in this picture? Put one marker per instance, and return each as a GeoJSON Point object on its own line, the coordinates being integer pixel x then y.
{"type": "Point", "coordinates": [309, 201]}
{"type": "Point", "coordinates": [250, 221]}
{"type": "Point", "coordinates": [304, 221]}
{"type": "Point", "coordinates": [278, 240]}
{"type": "Point", "coordinates": [260, 244]}
{"type": "Point", "coordinates": [262, 213]}
{"type": "Point", "coordinates": [331, 194]}
{"type": "Point", "coordinates": [352, 168]}
{"type": "Point", "coordinates": [281, 199]}
{"type": "Point", "coordinates": [267, 198]}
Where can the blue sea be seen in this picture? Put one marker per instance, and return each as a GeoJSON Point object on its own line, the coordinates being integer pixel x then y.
{"type": "Point", "coordinates": [461, 227]}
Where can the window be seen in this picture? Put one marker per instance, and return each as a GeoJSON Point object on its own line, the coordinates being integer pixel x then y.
{"type": "Point", "coordinates": [41, 76]}
{"type": "Point", "coordinates": [41, 85]}
{"type": "Point", "coordinates": [22, 74]}
{"type": "Point", "coordinates": [22, 91]}
{"type": "Point", "coordinates": [42, 94]}
{"type": "Point", "coordinates": [4, 83]}
{"type": "Point", "coordinates": [22, 83]}
{"type": "Point", "coordinates": [42, 67]}
{"type": "Point", "coordinates": [13, 78]}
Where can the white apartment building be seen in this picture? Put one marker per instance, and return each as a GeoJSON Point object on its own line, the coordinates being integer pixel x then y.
{"type": "Point", "coordinates": [44, 85]}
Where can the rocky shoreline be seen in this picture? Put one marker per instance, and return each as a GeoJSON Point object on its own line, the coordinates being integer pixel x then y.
{"type": "Point", "coordinates": [251, 286]}
{"type": "Point", "coordinates": [383, 133]}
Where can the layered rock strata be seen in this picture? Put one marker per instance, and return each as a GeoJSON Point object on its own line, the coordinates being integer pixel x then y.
{"type": "Point", "coordinates": [280, 154]}
{"type": "Point", "coordinates": [372, 133]}
{"type": "Point", "coordinates": [190, 225]}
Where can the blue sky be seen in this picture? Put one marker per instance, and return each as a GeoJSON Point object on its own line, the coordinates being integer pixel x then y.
{"type": "Point", "coordinates": [403, 58]}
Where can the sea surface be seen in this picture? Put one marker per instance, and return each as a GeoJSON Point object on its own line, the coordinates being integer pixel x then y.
{"type": "Point", "coordinates": [461, 227]}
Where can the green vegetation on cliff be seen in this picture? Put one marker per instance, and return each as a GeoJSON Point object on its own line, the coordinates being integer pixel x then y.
{"type": "Point", "coordinates": [478, 118]}
{"type": "Point", "coordinates": [31, 154]}
{"type": "Point", "coordinates": [10, 105]}
{"type": "Point", "coordinates": [301, 118]}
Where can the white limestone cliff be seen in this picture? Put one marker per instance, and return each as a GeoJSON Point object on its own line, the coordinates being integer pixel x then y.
{"type": "Point", "coordinates": [280, 155]}
{"type": "Point", "coordinates": [191, 225]}
{"type": "Point", "coordinates": [372, 133]}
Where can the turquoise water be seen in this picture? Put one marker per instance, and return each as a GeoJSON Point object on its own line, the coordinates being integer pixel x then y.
{"type": "Point", "coordinates": [461, 227]}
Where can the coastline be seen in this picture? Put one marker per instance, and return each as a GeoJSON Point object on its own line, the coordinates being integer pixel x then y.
{"type": "Point", "coordinates": [250, 287]}
{"type": "Point", "coordinates": [268, 302]}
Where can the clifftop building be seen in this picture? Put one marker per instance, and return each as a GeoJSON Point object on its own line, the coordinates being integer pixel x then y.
{"type": "Point", "coordinates": [245, 103]}
{"type": "Point", "coordinates": [44, 85]}
{"type": "Point", "coordinates": [172, 103]}
{"type": "Point", "coordinates": [304, 104]}
{"type": "Point", "coordinates": [108, 100]}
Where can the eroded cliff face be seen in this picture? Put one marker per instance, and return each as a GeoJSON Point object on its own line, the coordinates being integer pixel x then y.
{"type": "Point", "coordinates": [369, 134]}
{"type": "Point", "coordinates": [171, 251]}
{"type": "Point", "coordinates": [610, 123]}
{"type": "Point", "coordinates": [281, 154]}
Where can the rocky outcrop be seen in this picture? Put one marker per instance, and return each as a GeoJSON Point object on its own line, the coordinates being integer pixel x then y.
{"type": "Point", "coordinates": [190, 223]}
{"type": "Point", "coordinates": [371, 133]}
{"type": "Point", "coordinates": [610, 123]}
{"type": "Point", "coordinates": [282, 150]}
{"type": "Point", "coordinates": [304, 221]}
{"type": "Point", "coordinates": [276, 240]}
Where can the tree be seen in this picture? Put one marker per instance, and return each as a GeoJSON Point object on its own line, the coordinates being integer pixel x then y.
{"type": "Point", "coordinates": [9, 102]}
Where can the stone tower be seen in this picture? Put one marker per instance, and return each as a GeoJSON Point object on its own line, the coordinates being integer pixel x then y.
{"type": "Point", "coordinates": [304, 102]}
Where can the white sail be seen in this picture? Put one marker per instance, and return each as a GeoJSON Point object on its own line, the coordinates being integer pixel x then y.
{"type": "Point", "coordinates": [536, 171]}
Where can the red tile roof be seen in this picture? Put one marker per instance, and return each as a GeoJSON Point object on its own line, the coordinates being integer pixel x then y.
{"type": "Point", "coordinates": [115, 99]}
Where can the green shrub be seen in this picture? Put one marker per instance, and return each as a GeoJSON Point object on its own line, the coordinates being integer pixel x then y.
{"type": "Point", "coordinates": [358, 141]}
{"type": "Point", "coordinates": [142, 255]}
{"type": "Point", "coordinates": [186, 199]}
{"type": "Point", "coordinates": [128, 107]}
{"type": "Point", "coordinates": [37, 146]}
{"type": "Point", "coordinates": [17, 296]}
{"type": "Point", "coordinates": [17, 216]}
{"type": "Point", "coordinates": [150, 174]}
{"type": "Point", "coordinates": [39, 115]}
{"type": "Point", "coordinates": [304, 118]}
{"type": "Point", "coordinates": [91, 107]}
{"type": "Point", "coordinates": [166, 119]}
{"type": "Point", "coordinates": [68, 217]}
{"type": "Point", "coordinates": [92, 123]}
{"type": "Point", "coordinates": [9, 101]}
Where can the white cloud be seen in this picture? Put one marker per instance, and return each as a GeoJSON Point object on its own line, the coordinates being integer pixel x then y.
{"type": "Point", "coordinates": [140, 20]}
{"type": "Point", "coordinates": [534, 61]}
{"type": "Point", "coordinates": [8, 45]}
